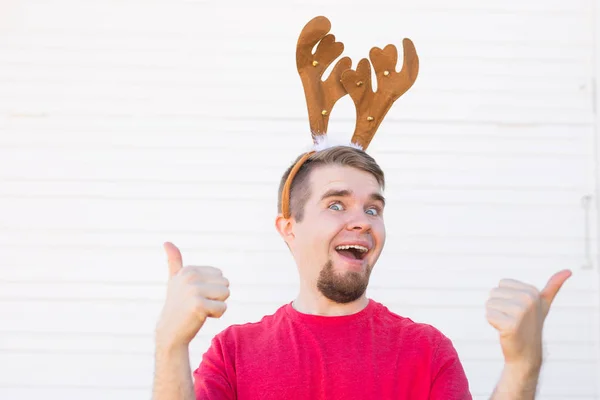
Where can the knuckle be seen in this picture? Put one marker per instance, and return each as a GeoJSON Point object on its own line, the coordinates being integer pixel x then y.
{"type": "Point", "coordinates": [525, 298]}
{"type": "Point", "coordinates": [535, 293]}
{"type": "Point", "coordinates": [192, 289]}
{"type": "Point", "coordinates": [191, 272]}
{"type": "Point", "coordinates": [532, 289]}
{"type": "Point", "coordinates": [529, 299]}
{"type": "Point", "coordinates": [520, 311]}
{"type": "Point", "coordinates": [199, 305]}
{"type": "Point", "coordinates": [212, 270]}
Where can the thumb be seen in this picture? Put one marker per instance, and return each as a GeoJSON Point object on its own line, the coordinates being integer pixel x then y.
{"type": "Point", "coordinates": [174, 258]}
{"type": "Point", "coordinates": [552, 287]}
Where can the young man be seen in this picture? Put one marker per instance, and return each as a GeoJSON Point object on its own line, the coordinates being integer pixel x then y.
{"type": "Point", "coordinates": [332, 341]}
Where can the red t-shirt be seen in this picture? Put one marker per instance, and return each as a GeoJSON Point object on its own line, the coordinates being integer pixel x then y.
{"type": "Point", "coordinates": [373, 354]}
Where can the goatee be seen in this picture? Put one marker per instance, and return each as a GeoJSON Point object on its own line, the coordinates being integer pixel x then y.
{"type": "Point", "coordinates": [342, 288]}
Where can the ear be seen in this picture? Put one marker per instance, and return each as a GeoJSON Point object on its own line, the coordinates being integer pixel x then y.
{"type": "Point", "coordinates": [285, 227]}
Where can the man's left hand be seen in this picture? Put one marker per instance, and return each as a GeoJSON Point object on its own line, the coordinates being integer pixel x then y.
{"type": "Point", "coordinates": [518, 311]}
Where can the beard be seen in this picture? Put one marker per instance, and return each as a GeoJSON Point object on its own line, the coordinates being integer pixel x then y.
{"type": "Point", "coordinates": [342, 288]}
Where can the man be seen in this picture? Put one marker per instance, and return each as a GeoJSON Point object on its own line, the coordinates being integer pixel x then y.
{"type": "Point", "coordinates": [332, 341]}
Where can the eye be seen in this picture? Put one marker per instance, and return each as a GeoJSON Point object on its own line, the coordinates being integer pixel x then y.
{"type": "Point", "coordinates": [373, 211]}
{"type": "Point", "coordinates": [336, 206]}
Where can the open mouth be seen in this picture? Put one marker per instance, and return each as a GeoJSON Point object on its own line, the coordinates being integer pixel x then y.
{"type": "Point", "coordinates": [352, 251]}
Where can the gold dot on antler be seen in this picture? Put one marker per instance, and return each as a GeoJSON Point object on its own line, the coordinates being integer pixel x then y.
{"type": "Point", "coordinates": [359, 83]}
{"type": "Point", "coordinates": [386, 73]}
{"type": "Point", "coordinates": [324, 112]}
{"type": "Point", "coordinates": [315, 63]}
{"type": "Point", "coordinates": [370, 118]}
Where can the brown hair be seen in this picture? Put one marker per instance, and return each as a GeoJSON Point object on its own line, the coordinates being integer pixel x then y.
{"type": "Point", "coordinates": [338, 155]}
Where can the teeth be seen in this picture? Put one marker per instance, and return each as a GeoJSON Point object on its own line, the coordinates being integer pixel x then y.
{"type": "Point", "coordinates": [353, 246]}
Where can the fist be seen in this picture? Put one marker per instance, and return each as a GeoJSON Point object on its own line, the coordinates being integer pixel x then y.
{"type": "Point", "coordinates": [193, 294]}
{"type": "Point", "coordinates": [518, 311]}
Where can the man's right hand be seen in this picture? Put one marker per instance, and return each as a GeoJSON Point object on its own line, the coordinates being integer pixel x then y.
{"type": "Point", "coordinates": [193, 294]}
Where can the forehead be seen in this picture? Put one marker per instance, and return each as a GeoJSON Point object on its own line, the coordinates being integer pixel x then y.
{"type": "Point", "coordinates": [327, 177]}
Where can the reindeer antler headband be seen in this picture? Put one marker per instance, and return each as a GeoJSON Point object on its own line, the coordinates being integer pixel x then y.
{"type": "Point", "coordinates": [321, 96]}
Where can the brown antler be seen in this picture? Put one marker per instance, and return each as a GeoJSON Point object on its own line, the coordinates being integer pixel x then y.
{"type": "Point", "coordinates": [371, 107]}
{"type": "Point", "coordinates": [320, 95]}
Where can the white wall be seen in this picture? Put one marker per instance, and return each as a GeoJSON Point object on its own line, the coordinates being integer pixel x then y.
{"type": "Point", "coordinates": [127, 123]}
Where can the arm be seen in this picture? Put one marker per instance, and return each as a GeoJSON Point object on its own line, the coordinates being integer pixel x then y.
{"type": "Point", "coordinates": [518, 311]}
{"type": "Point", "coordinates": [193, 294]}
{"type": "Point", "coordinates": [172, 376]}
{"type": "Point", "coordinates": [516, 383]}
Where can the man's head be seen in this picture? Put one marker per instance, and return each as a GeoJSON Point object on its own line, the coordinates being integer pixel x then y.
{"type": "Point", "coordinates": [336, 231]}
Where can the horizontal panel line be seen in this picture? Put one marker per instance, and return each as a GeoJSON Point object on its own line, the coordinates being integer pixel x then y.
{"type": "Point", "coordinates": [80, 123]}
{"type": "Point", "coordinates": [170, 83]}
{"type": "Point", "coordinates": [147, 300]}
{"type": "Point", "coordinates": [85, 387]}
{"type": "Point", "coordinates": [216, 52]}
{"type": "Point", "coordinates": [437, 187]}
{"type": "Point", "coordinates": [455, 74]}
{"type": "Point", "coordinates": [262, 200]}
{"type": "Point", "coordinates": [86, 145]}
{"type": "Point", "coordinates": [230, 147]}
{"type": "Point", "coordinates": [135, 101]}
{"type": "Point", "coordinates": [147, 389]}
{"type": "Point", "coordinates": [150, 353]}
{"type": "Point", "coordinates": [408, 9]}
{"type": "Point", "coordinates": [31, 38]}
{"type": "Point", "coordinates": [256, 287]}
{"type": "Point", "coordinates": [565, 257]}
{"type": "Point", "coordinates": [230, 161]}
{"type": "Point", "coordinates": [574, 258]}
{"type": "Point", "coordinates": [452, 237]}
{"type": "Point", "coordinates": [86, 334]}
{"type": "Point", "coordinates": [203, 336]}
{"type": "Point", "coordinates": [230, 150]}
{"type": "Point", "coordinates": [202, 119]}
{"type": "Point", "coordinates": [128, 84]}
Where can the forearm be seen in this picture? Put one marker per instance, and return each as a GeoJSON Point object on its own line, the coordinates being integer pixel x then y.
{"type": "Point", "coordinates": [172, 375]}
{"type": "Point", "coordinates": [516, 383]}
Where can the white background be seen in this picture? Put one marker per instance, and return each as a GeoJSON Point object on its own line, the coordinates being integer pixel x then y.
{"type": "Point", "coordinates": [127, 123]}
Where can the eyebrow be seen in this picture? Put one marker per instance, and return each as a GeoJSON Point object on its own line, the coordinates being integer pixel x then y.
{"type": "Point", "coordinates": [348, 193]}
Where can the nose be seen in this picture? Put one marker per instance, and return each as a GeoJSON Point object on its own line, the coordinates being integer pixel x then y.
{"type": "Point", "coordinates": [358, 222]}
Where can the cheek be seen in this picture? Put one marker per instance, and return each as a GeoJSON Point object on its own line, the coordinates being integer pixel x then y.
{"type": "Point", "coordinates": [314, 231]}
{"type": "Point", "coordinates": [323, 228]}
{"type": "Point", "coordinates": [330, 224]}
{"type": "Point", "coordinates": [378, 230]}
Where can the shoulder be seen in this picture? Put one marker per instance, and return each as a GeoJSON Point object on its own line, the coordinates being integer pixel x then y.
{"type": "Point", "coordinates": [252, 331]}
{"type": "Point", "coordinates": [407, 330]}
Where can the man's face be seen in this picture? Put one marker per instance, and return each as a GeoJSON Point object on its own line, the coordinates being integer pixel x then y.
{"type": "Point", "coordinates": [342, 233]}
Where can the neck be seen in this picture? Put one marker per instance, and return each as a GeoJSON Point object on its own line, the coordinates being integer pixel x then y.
{"type": "Point", "coordinates": [314, 303]}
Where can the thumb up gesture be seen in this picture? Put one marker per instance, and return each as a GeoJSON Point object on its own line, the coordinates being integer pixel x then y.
{"type": "Point", "coordinates": [518, 311]}
{"type": "Point", "coordinates": [193, 294]}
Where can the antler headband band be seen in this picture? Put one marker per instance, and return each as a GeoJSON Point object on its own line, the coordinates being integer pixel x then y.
{"type": "Point", "coordinates": [321, 96]}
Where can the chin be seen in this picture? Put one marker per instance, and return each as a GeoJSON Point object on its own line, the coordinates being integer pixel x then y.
{"type": "Point", "coordinates": [343, 284]}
